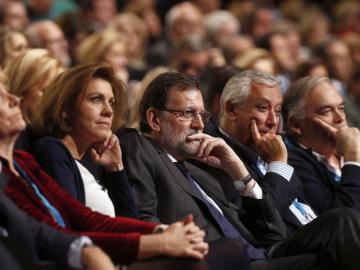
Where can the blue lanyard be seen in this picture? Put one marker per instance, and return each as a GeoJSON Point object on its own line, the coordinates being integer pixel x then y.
{"type": "Point", "coordinates": [301, 209]}
{"type": "Point", "coordinates": [52, 210]}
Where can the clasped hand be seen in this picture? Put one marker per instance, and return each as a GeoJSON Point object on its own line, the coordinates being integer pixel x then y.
{"type": "Point", "coordinates": [184, 239]}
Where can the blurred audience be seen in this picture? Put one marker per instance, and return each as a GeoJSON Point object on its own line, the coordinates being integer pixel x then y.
{"type": "Point", "coordinates": [47, 34]}
{"type": "Point", "coordinates": [13, 14]}
{"type": "Point", "coordinates": [106, 46]}
{"type": "Point", "coordinates": [12, 44]}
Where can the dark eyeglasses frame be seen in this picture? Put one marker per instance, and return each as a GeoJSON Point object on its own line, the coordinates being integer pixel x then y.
{"type": "Point", "coordinates": [189, 115]}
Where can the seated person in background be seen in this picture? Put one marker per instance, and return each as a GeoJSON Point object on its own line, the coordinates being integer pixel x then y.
{"type": "Point", "coordinates": [250, 107]}
{"type": "Point", "coordinates": [28, 77]}
{"type": "Point", "coordinates": [105, 47]}
{"type": "Point", "coordinates": [28, 244]}
{"type": "Point", "coordinates": [125, 240]}
{"type": "Point", "coordinates": [167, 187]}
{"type": "Point", "coordinates": [12, 44]}
{"type": "Point", "coordinates": [323, 149]}
{"type": "Point", "coordinates": [78, 111]}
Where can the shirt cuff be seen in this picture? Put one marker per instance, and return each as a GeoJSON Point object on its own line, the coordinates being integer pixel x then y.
{"type": "Point", "coordinates": [255, 192]}
{"type": "Point", "coordinates": [75, 252]}
{"type": "Point", "coordinates": [351, 163]}
{"type": "Point", "coordinates": [282, 169]}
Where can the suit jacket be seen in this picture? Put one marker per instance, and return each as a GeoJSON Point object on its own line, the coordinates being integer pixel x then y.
{"type": "Point", "coordinates": [320, 190]}
{"type": "Point", "coordinates": [32, 244]}
{"type": "Point", "coordinates": [119, 236]}
{"type": "Point", "coordinates": [284, 192]}
{"type": "Point", "coordinates": [58, 162]}
{"type": "Point", "coordinates": [162, 193]}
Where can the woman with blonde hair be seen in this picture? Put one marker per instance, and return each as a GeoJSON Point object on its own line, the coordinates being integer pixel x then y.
{"type": "Point", "coordinates": [28, 77]}
{"type": "Point", "coordinates": [257, 59]}
{"type": "Point", "coordinates": [106, 46]}
{"type": "Point", "coordinates": [136, 33]}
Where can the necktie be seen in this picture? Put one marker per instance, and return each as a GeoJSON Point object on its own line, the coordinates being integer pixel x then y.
{"type": "Point", "coordinates": [52, 210]}
{"type": "Point", "coordinates": [227, 228]}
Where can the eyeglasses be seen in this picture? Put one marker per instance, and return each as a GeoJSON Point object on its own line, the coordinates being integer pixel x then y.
{"type": "Point", "coordinates": [189, 115]}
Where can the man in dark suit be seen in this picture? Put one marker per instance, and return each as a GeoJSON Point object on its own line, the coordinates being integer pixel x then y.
{"type": "Point", "coordinates": [249, 122]}
{"type": "Point", "coordinates": [28, 244]}
{"type": "Point", "coordinates": [323, 149]}
{"type": "Point", "coordinates": [168, 188]}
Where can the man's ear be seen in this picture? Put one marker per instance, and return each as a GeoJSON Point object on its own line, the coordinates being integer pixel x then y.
{"type": "Point", "coordinates": [230, 111]}
{"type": "Point", "coordinates": [152, 117]}
{"type": "Point", "coordinates": [294, 126]}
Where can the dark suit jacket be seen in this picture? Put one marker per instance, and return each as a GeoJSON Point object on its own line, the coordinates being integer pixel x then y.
{"type": "Point", "coordinates": [320, 190]}
{"type": "Point", "coordinates": [32, 244]}
{"type": "Point", "coordinates": [283, 191]}
{"type": "Point", "coordinates": [58, 162]}
{"type": "Point", "coordinates": [119, 236]}
{"type": "Point", "coordinates": [162, 193]}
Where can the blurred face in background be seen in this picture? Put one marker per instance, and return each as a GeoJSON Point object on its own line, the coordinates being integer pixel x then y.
{"type": "Point", "coordinates": [340, 60]}
{"type": "Point", "coordinates": [189, 22]}
{"type": "Point", "coordinates": [281, 50]}
{"type": "Point", "coordinates": [117, 58]}
{"type": "Point", "coordinates": [104, 11]}
{"type": "Point", "coordinates": [55, 42]}
{"type": "Point", "coordinates": [15, 16]}
{"type": "Point", "coordinates": [17, 45]}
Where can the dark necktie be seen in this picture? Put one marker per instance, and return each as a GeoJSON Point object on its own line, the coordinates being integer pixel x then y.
{"type": "Point", "coordinates": [227, 228]}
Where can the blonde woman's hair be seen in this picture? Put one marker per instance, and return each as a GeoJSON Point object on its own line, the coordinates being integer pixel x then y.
{"type": "Point", "coordinates": [247, 59]}
{"type": "Point", "coordinates": [32, 69]}
{"type": "Point", "coordinates": [94, 47]}
{"type": "Point", "coordinates": [118, 23]}
{"type": "Point", "coordinates": [59, 99]}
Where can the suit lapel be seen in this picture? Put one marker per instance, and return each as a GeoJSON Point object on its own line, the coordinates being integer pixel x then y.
{"type": "Point", "coordinates": [174, 171]}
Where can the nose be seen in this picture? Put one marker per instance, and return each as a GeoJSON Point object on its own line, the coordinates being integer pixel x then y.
{"type": "Point", "coordinates": [13, 100]}
{"type": "Point", "coordinates": [339, 116]}
{"type": "Point", "coordinates": [197, 122]}
{"type": "Point", "coordinates": [107, 109]}
{"type": "Point", "coordinates": [272, 119]}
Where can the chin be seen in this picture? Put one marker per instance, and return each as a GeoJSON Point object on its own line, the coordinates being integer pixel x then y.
{"type": "Point", "coordinates": [190, 149]}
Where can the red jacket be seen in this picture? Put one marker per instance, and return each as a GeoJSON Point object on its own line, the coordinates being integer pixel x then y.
{"type": "Point", "coordinates": [119, 236]}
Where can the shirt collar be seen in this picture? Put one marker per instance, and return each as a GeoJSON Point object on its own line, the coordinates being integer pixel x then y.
{"type": "Point", "coordinates": [322, 159]}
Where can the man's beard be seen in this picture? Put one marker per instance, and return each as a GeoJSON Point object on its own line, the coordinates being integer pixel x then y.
{"type": "Point", "coordinates": [177, 143]}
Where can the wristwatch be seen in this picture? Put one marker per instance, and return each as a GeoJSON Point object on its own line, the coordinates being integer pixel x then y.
{"type": "Point", "coordinates": [240, 185]}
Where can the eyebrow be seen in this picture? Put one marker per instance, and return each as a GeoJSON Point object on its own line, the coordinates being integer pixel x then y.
{"type": "Point", "coordinates": [331, 106]}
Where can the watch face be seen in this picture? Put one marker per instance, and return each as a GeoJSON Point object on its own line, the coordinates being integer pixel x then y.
{"type": "Point", "coordinates": [239, 185]}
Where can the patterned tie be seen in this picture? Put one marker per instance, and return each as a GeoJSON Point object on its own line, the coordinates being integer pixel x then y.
{"type": "Point", "coordinates": [227, 228]}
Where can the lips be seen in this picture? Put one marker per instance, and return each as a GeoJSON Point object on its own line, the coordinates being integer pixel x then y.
{"type": "Point", "coordinates": [104, 124]}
